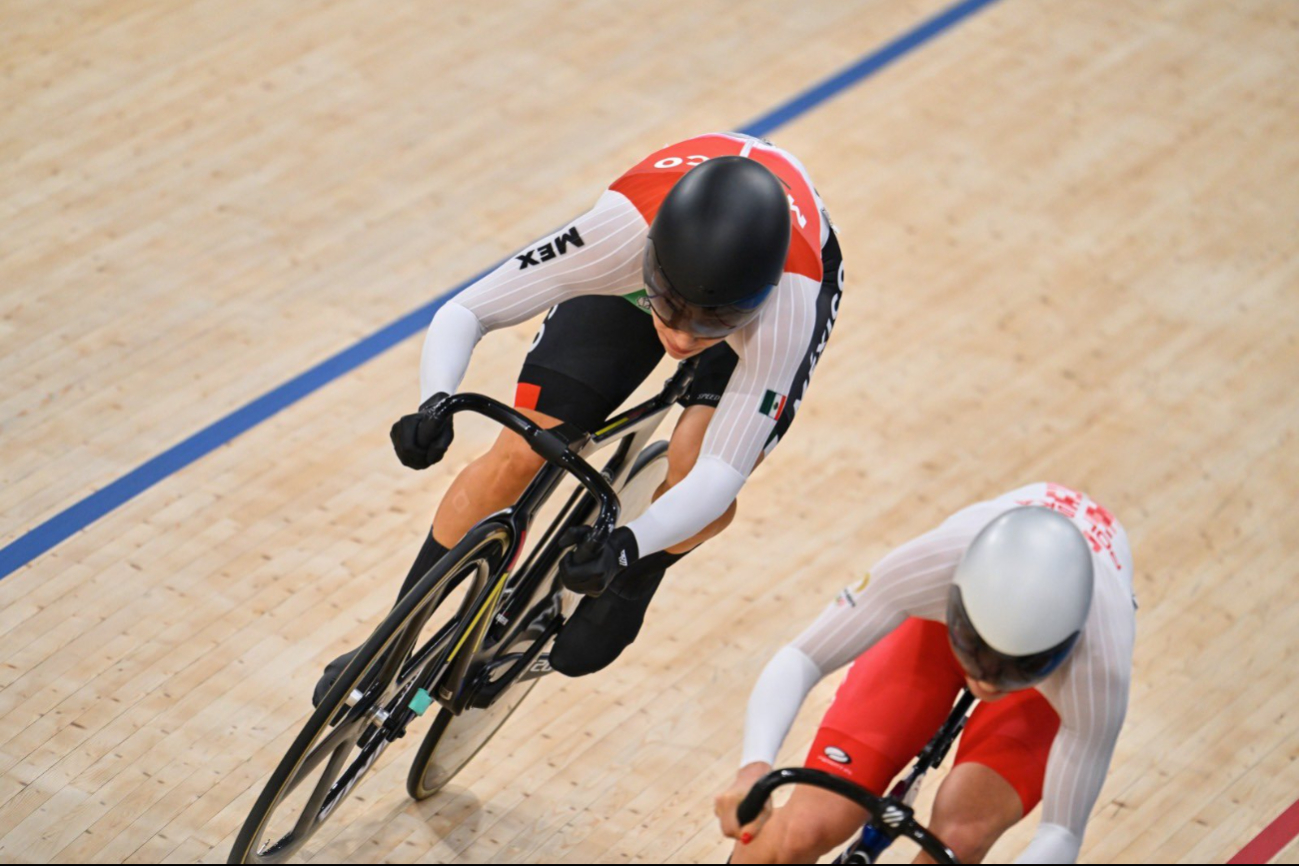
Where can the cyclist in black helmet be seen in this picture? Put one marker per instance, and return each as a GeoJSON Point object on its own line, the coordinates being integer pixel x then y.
{"type": "Point", "coordinates": [717, 246]}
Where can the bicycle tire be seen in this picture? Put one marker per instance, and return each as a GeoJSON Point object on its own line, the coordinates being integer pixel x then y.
{"type": "Point", "coordinates": [454, 740]}
{"type": "Point", "coordinates": [343, 727]}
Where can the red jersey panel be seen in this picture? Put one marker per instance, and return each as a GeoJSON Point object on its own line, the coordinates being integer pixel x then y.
{"type": "Point", "coordinates": [647, 183]}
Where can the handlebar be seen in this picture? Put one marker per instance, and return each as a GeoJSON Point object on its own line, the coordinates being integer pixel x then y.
{"type": "Point", "coordinates": [552, 448]}
{"type": "Point", "coordinates": [893, 817]}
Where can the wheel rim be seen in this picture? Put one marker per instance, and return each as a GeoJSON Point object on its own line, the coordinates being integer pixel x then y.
{"type": "Point", "coordinates": [323, 778]}
{"type": "Point", "coordinates": [638, 492]}
{"type": "Point", "coordinates": [339, 756]}
{"type": "Point", "coordinates": [464, 735]}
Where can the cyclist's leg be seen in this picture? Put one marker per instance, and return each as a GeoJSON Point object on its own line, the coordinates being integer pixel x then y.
{"type": "Point", "coordinates": [683, 450]}
{"type": "Point", "coordinates": [813, 823]}
{"type": "Point", "coordinates": [895, 696]}
{"type": "Point", "coordinates": [601, 628]}
{"type": "Point", "coordinates": [589, 355]}
{"type": "Point", "coordinates": [974, 806]}
{"type": "Point", "coordinates": [491, 482]}
{"type": "Point", "coordinates": [998, 775]}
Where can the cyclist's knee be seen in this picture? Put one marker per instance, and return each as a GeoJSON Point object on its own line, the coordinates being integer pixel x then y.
{"type": "Point", "coordinates": [970, 837]}
{"type": "Point", "coordinates": [974, 806]}
{"type": "Point", "coordinates": [687, 441]}
{"type": "Point", "coordinates": [805, 841]}
{"type": "Point", "coordinates": [512, 463]}
{"type": "Point", "coordinates": [971, 820]}
{"type": "Point", "coordinates": [727, 517]}
{"type": "Point", "coordinates": [683, 453]}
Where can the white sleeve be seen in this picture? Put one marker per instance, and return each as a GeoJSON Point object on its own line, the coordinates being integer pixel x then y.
{"type": "Point", "coordinates": [770, 350]}
{"type": "Point", "coordinates": [703, 495]}
{"type": "Point", "coordinates": [1091, 695]}
{"type": "Point", "coordinates": [449, 343]}
{"type": "Point", "coordinates": [774, 703]}
{"type": "Point", "coordinates": [599, 253]}
{"type": "Point", "coordinates": [910, 581]}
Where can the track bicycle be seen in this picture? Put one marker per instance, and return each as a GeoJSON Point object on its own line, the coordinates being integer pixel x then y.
{"type": "Point", "coordinates": [891, 817]}
{"type": "Point", "coordinates": [478, 665]}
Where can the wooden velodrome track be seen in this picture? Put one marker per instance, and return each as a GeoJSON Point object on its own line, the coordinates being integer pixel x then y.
{"type": "Point", "coordinates": [1070, 238]}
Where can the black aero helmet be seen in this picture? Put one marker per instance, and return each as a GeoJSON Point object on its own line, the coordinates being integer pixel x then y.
{"type": "Point", "coordinates": [717, 246]}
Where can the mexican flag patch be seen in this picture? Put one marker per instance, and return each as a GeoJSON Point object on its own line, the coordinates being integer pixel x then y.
{"type": "Point", "coordinates": [772, 405]}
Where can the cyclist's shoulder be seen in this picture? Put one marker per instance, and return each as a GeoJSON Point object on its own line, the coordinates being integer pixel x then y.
{"type": "Point", "coordinates": [647, 182]}
{"type": "Point", "coordinates": [680, 156]}
{"type": "Point", "coordinates": [1108, 539]}
{"type": "Point", "coordinates": [1098, 675]}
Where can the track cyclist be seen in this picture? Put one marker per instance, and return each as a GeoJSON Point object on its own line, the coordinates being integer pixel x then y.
{"type": "Point", "coordinates": [1027, 601]}
{"type": "Point", "coordinates": [717, 247]}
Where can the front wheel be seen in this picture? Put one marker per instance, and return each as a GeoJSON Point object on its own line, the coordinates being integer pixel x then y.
{"type": "Point", "coordinates": [361, 714]}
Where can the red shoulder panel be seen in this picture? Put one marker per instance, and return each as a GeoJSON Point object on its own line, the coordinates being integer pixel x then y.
{"type": "Point", "coordinates": [646, 184]}
{"type": "Point", "coordinates": [805, 217]}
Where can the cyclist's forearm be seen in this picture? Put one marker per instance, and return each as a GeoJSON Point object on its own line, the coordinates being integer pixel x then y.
{"type": "Point", "coordinates": [703, 495]}
{"type": "Point", "coordinates": [448, 345]}
{"type": "Point", "coordinates": [774, 703]}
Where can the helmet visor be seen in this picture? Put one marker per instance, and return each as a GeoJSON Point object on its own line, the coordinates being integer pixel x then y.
{"type": "Point", "coordinates": [706, 322]}
{"type": "Point", "coordinates": [1006, 673]}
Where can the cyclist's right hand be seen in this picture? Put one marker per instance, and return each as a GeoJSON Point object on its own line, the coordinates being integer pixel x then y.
{"type": "Point", "coordinates": [421, 440]}
{"type": "Point", "coordinates": [725, 803]}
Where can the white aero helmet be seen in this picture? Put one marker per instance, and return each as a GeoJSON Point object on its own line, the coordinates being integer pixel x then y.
{"type": "Point", "coordinates": [1020, 598]}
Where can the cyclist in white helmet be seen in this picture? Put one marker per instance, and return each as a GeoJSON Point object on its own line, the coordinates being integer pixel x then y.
{"type": "Point", "coordinates": [1027, 601]}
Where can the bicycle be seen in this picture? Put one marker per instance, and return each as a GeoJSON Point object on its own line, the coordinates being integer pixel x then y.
{"type": "Point", "coordinates": [890, 817]}
{"type": "Point", "coordinates": [479, 664]}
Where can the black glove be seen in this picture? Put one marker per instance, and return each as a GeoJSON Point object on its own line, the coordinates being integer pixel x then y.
{"type": "Point", "coordinates": [589, 568]}
{"type": "Point", "coordinates": [419, 439]}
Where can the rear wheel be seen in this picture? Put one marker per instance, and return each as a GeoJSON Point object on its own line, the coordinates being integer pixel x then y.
{"type": "Point", "coordinates": [455, 739]}
{"type": "Point", "coordinates": [648, 472]}
{"type": "Point", "coordinates": [365, 709]}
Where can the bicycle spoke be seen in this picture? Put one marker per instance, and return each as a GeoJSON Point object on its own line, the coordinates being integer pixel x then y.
{"type": "Point", "coordinates": [311, 812]}
{"type": "Point", "coordinates": [342, 741]}
{"type": "Point", "coordinates": [332, 742]}
{"type": "Point", "coordinates": [350, 776]}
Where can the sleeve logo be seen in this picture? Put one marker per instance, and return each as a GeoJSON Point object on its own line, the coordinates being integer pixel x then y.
{"type": "Point", "coordinates": [773, 405]}
{"type": "Point", "coordinates": [548, 251]}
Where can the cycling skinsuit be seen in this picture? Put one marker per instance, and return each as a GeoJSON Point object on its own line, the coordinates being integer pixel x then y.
{"type": "Point", "coordinates": [598, 342]}
{"type": "Point", "coordinates": [905, 679]}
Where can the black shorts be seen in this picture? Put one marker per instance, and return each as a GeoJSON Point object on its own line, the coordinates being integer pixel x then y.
{"type": "Point", "coordinates": [592, 352]}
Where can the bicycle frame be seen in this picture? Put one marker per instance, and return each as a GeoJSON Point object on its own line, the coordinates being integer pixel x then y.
{"type": "Point", "coordinates": [873, 840]}
{"type": "Point", "coordinates": [460, 682]}
{"type": "Point", "coordinates": [891, 816]}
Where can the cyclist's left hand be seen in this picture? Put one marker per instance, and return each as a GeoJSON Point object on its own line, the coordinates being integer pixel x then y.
{"type": "Point", "coordinates": [589, 569]}
{"type": "Point", "coordinates": [725, 803]}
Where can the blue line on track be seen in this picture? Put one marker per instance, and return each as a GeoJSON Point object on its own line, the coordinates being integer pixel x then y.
{"type": "Point", "coordinates": [72, 520]}
{"type": "Point", "coordinates": [868, 65]}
